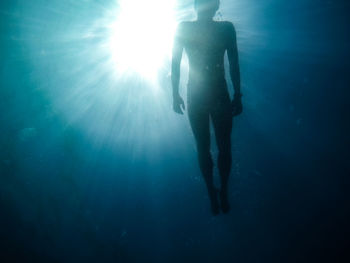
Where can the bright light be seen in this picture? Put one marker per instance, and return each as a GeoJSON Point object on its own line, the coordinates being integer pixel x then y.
{"type": "Point", "coordinates": [142, 36]}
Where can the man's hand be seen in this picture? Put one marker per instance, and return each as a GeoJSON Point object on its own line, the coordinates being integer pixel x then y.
{"type": "Point", "coordinates": [178, 104]}
{"type": "Point", "coordinates": [236, 105]}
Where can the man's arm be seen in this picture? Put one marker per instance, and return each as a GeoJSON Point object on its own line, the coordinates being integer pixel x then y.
{"type": "Point", "coordinates": [175, 71]}
{"type": "Point", "coordinates": [232, 54]}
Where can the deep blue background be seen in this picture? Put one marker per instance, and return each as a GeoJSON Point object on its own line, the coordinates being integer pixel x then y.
{"type": "Point", "coordinates": [65, 197]}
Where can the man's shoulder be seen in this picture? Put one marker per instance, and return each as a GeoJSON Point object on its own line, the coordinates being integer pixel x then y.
{"type": "Point", "coordinates": [185, 28]}
{"type": "Point", "coordinates": [228, 29]}
{"type": "Point", "coordinates": [225, 24]}
{"type": "Point", "coordinates": [185, 25]}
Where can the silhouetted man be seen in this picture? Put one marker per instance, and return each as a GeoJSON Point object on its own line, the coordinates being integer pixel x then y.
{"type": "Point", "coordinates": [205, 42]}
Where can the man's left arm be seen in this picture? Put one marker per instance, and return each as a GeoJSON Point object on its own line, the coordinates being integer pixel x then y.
{"type": "Point", "coordinates": [232, 54]}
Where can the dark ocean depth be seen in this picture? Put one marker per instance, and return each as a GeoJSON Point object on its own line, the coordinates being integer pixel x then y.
{"type": "Point", "coordinates": [96, 167]}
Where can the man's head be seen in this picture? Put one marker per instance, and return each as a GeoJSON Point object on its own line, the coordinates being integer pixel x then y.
{"type": "Point", "coordinates": [206, 8]}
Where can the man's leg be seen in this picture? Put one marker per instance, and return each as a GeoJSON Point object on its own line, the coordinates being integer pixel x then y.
{"type": "Point", "coordinates": [222, 121]}
{"type": "Point", "coordinates": [199, 120]}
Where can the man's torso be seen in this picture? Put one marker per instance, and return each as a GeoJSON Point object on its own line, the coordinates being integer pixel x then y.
{"type": "Point", "coordinates": [205, 44]}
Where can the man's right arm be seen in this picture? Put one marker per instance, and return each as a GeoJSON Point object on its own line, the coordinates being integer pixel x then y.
{"type": "Point", "coordinates": [175, 70]}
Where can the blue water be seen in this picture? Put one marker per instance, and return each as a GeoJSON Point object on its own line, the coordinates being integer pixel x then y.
{"type": "Point", "coordinates": [97, 168]}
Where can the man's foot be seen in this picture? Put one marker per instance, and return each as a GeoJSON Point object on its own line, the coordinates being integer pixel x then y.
{"type": "Point", "coordinates": [214, 202]}
{"type": "Point", "coordinates": [225, 206]}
